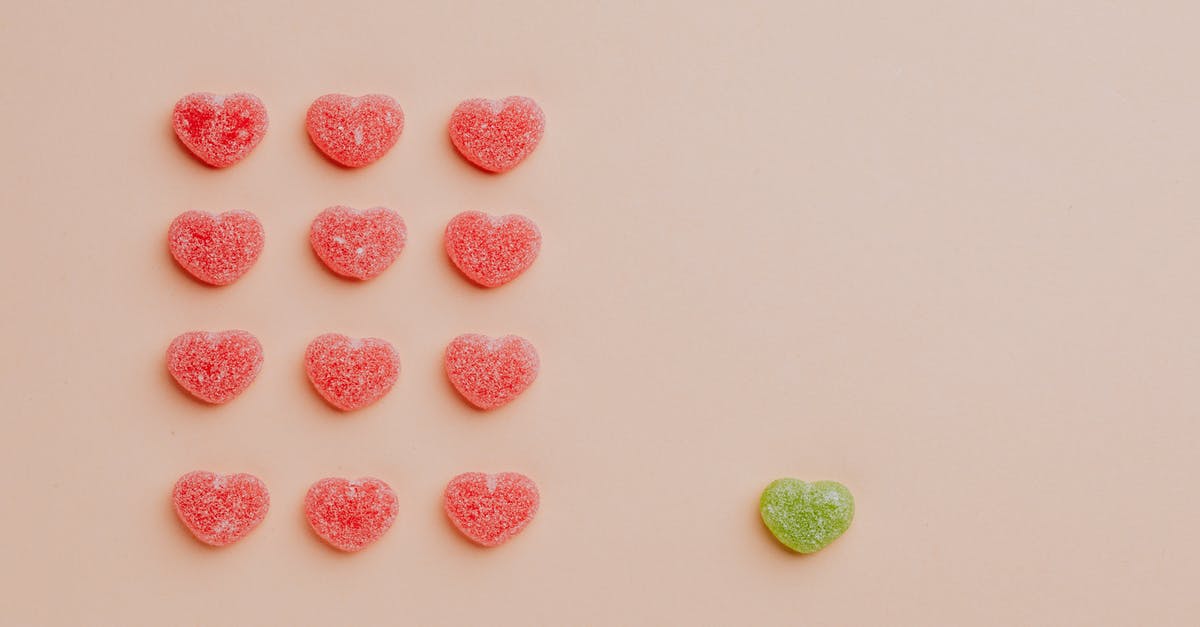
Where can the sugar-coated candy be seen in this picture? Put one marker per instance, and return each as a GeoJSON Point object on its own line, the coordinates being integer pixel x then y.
{"type": "Point", "coordinates": [806, 517]}
{"type": "Point", "coordinates": [489, 372]}
{"type": "Point", "coordinates": [359, 244]}
{"type": "Point", "coordinates": [220, 509]}
{"type": "Point", "coordinates": [351, 373]}
{"type": "Point", "coordinates": [215, 366]}
{"type": "Point", "coordinates": [497, 134]}
{"type": "Point", "coordinates": [350, 514]}
{"type": "Point", "coordinates": [217, 249]}
{"type": "Point", "coordinates": [492, 250]}
{"type": "Point", "coordinates": [220, 129]}
{"type": "Point", "coordinates": [355, 131]}
{"type": "Point", "coordinates": [490, 509]}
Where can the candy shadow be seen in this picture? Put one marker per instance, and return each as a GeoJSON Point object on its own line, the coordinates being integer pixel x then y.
{"type": "Point", "coordinates": [449, 263]}
{"type": "Point", "coordinates": [183, 534]}
{"type": "Point", "coordinates": [182, 147]}
{"type": "Point", "coordinates": [329, 409]}
{"type": "Point", "coordinates": [769, 537]}
{"type": "Point", "coordinates": [326, 270]}
{"type": "Point", "coordinates": [303, 132]}
{"type": "Point", "coordinates": [184, 391]}
{"type": "Point", "coordinates": [453, 391]}
{"type": "Point", "coordinates": [182, 270]}
{"type": "Point", "coordinates": [326, 548]}
{"type": "Point", "coordinates": [467, 163]}
{"type": "Point", "coordinates": [447, 528]}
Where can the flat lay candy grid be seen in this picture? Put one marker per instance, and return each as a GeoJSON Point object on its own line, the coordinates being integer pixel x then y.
{"type": "Point", "coordinates": [352, 373]}
{"type": "Point", "coordinates": [942, 254]}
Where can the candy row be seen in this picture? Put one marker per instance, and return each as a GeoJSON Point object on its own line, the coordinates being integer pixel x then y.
{"type": "Point", "coordinates": [351, 373]}
{"type": "Point", "coordinates": [349, 514]}
{"type": "Point", "coordinates": [221, 130]}
{"type": "Point", "coordinates": [358, 244]}
{"type": "Point", "coordinates": [488, 509]}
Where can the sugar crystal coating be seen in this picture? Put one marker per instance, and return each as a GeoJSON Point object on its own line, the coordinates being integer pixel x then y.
{"type": "Point", "coordinates": [216, 249]}
{"type": "Point", "coordinates": [220, 509]}
{"type": "Point", "coordinates": [496, 135]}
{"type": "Point", "coordinates": [806, 517]}
{"type": "Point", "coordinates": [215, 367]}
{"type": "Point", "coordinates": [355, 131]}
{"type": "Point", "coordinates": [350, 515]}
{"type": "Point", "coordinates": [491, 250]}
{"type": "Point", "coordinates": [358, 244]}
{"type": "Point", "coordinates": [351, 373]}
{"type": "Point", "coordinates": [491, 509]}
{"type": "Point", "coordinates": [490, 372]}
{"type": "Point", "coordinates": [220, 130]}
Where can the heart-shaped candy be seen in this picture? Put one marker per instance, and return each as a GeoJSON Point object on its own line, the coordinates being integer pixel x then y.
{"type": "Point", "coordinates": [351, 373]}
{"type": "Point", "coordinates": [490, 250]}
{"type": "Point", "coordinates": [355, 131]}
{"type": "Point", "coordinates": [497, 134]}
{"type": "Point", "coordinates": [358, 244]}
{"type": "Point", "coordinates": [490, 372]}
{"type": "Point", "coordinates": [490, 509]}
{"type": "Point", "coordinates": [806, 517]}
{"type": "Point", "coordinates": [216, 249]}
{"type": "Point", "coordinates": [220, 509]}
{"type": "Point", "coordinates": [350, 515]}
{"type": "Point", "coordinates": [220, 130]}
{"type": "Point", "coordinates": [215, 367]}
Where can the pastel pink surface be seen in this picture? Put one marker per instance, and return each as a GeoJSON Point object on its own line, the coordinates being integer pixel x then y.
{"type": "Point", "coordinates": [359, 244]}
{"type": "Point", "coordinates": [492, 250]}
{"type": "Point", "coordinates": [355, 131]}
{"type": "Point", "coordinates": [496, 135]}
{"type": "Point", "coordinates": [491, 509]}
{"type": "Point", "coordinates": [350, 515]}
{"type": "Point", "coordinates": [351, 373]}
{"type": "Point", "coordinates": [220, 130]}
{"type": "Point", "coordinates": [220, 509]}
{"type": "Point", "coordinates": [215, 367]}
{"type": "Point", "coordinates": [491, 372]}
{"type": "Point", "coordinates": [216, 249]}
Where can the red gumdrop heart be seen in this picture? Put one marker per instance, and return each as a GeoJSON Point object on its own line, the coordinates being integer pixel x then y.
{"type": "Point", "coordinates": [497, 134]}
{"type": "Point", "coordinates": [215, 367]}
{"type": "Point", "coordinates": [350, 515]}
{"type": "Point", "coordinates": [358, 244]}
{"type": "Point", "coordinates": [355, 131]}
{"type": "Point", "coordinates": [490, 509]}
{"type": "Point", "coordinates": [490, 372]}
{"type": "Point", "coordinates": [351, 373]}
{"type": "Point", "coordinates": [221, 130]}
{"type": "Point", "coordinates": [218, 249]}
{"type": "Point", "coordinates": [220, 509]}
{"type": "Point", "coordinates": [490, 250]}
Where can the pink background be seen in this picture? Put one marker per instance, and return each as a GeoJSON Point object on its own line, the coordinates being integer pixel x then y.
{"type": "Point", "coordinates": [943, 252]}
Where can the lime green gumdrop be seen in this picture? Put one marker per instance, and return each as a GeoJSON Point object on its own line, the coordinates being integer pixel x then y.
{"type": "Point", "coordinates": [806, 517]}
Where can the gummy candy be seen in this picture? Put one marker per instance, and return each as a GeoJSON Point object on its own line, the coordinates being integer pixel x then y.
{"type": "Point", "coordinates": [806, 517]}
{"type": "Point", "coordinates": [491, 509]}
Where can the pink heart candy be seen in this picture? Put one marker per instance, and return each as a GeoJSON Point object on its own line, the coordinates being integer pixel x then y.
{"type": "Point", "coordinates": [491, 509]}
{"type": "Point", "coordinates": [355, 131]}
{"type": "Point", "coordinates": [350, 515]}
{"type": "Point", "coordinates": [220, 509]}
{"type": "Point", "coordinates": [358, 244]}
{"type": "Point", "coordinates": [496, 135]}
{"type": "Point", "coordinates": [490, 250]}
{"type": "Point", "coordinates": [490, 372]}
{"type": "Point", "coordinates": [221, 130]}
{"type": "Point", "coordinates": [218, 249]}
{"type": "Point", "coordinates": [351, 373]}
{"type": "Point", "coordinates": [215, 367]}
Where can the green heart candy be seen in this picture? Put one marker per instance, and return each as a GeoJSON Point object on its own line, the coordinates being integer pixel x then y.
{"type": "Point", "coordinates": [806, 517]}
